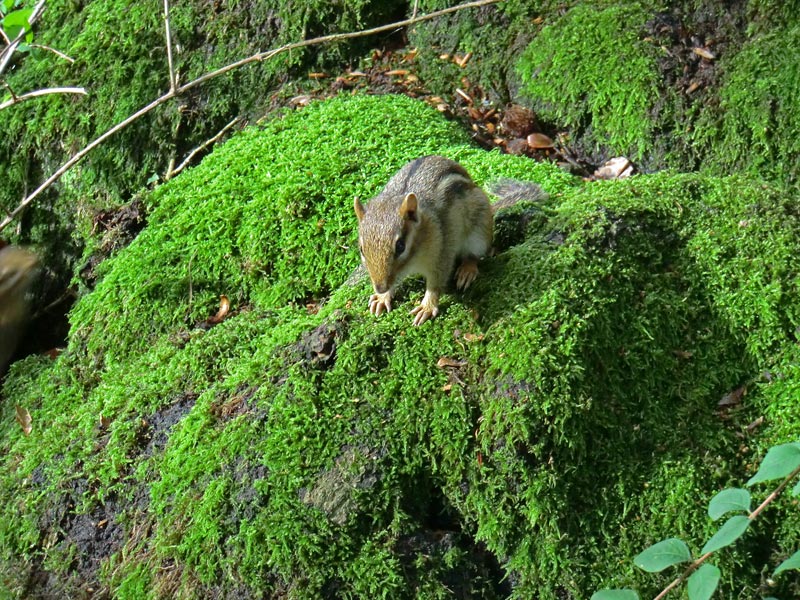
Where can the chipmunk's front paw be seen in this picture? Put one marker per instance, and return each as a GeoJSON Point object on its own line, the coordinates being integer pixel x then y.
{"type": "Point", "coordinates": [380, 303]}
{"type": "Point", "coordinates": [427, 309]}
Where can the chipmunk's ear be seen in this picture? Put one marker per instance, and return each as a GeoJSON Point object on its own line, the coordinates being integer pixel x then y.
{"type": "Point", "coordinates": [359, 208]}
{"type": "Point", "coordinates": [408, 209]}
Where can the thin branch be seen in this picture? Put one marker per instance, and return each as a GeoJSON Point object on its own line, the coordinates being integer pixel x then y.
{"type": "Point", "coordinates": [79, 156]}
{"type": "Point", "coordinates": [10, 90]}
{"type": "Point", "coordinates": [200, 148]}
{"type": "Point", "coordinates": [8, 51]}
{"type": "Point", "coordinates": [58, 53]}
{"type": "Point", "coordinates": [173, 79]}
{"type": "Point", "coordinates": [696, 564]}
{"type": "Point", "coordinates": [334, 37]}
{"type": "Point", "coordinates": [213, 74]}
{"type": "Point", "coordinates": [44, 92]}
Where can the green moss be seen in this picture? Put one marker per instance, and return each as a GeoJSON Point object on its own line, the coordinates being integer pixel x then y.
{"type": "Point", "coordinates": [493, 35]}
{"type": "Point", "coordinates": [591, 71]}
{"type": "Point", "coordinates": [582, 344]}
{"type": "Point", "coordinates": [764, 15]}
{"type": "Point", "coordinates": [753, 129]}
{"type": "Point", "coordinates": [120, 59]}
{"type": "Point", "coordinates": [271, 222]}
{"type": "Point", "coordinates": [283, 453]}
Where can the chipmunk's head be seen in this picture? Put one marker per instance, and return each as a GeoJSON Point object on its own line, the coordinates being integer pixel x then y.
{"type": "Point", "coordinates": [386, 238]}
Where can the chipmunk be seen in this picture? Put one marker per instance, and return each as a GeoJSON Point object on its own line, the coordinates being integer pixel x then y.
{"type": "Point", "coordinates": [428, 217]}
{"type": "Point", "coordinates": [18, 269]}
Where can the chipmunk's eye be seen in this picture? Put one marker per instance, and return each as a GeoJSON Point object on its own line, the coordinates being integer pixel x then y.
{"type": "Point", "coordinates": [399, 247]}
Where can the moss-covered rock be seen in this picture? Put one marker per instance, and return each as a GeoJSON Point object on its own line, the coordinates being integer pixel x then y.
{"type": "Point", "coordinates": [119, 53]}
{"type": "Point", "coordinates": [323, 453]}
{"type": "Point", "coordinates": [635, 78]}
{"type": "Point", "coordinates": [752, 131]}
{"type": "Point", "coordinates": [591, 72]}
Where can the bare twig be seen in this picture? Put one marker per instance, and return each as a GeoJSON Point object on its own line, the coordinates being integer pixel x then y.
{"type": "Point", "coordinates": [8, 51]}
{"type": "Point", "coordinates": [173, 79]}
{"type": "Point", "coordinates": [334, 37]}
{"type": "Point", "coordinates": [260, 56]}
{"type": "Point", "coordinates": [696, 564]}
{"type": "Point", "coordinates": [200, 148]}
{"type": "Point", "coordinates": [44, 92]}
{"type": "Point", "coordinates": [10, 90]}
{"type": "Point", "coordinates": [58, 53]}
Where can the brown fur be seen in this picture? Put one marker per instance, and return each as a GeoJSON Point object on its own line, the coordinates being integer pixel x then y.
{"type": "Point", "coordinates": [433, 205]}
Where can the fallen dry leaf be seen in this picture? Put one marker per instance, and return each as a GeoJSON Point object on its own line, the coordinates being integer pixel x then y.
{"type": "Point", "coordinates": [224, 307]}
{"type": "Point", "coordinates": [464, 95]}
{"type": "Point", "coordinates": [303, 100]}
{"type": "Point", "coordinates": [53, 353]}
{"type": "Point", "coordinates": [446, 362]}
{"type": "Point", "coordinates": [401, 72]}
{"type": "Point", "coordinates": [733, 398]}
{"type": "Point", "coordinates": [517, 146]}
{"type": "Point", "coordinates": [472, 337]}
{"type": "Point", "coordinates": [24, 419]}
{"type": "Point", "coordinates": [462, 62]}
{"type": "Point", "coordinates": [539, 141]}
{"type": "Point", "coordinates": [705, 53]}
{"type": "Point", "coordinates": [757, 423]}
{"type": "Point", "coordinates": [616, 168]}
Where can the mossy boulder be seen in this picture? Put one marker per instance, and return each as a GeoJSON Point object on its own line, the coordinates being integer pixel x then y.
{"type": "Point", "coordinates": [302, 448]}
{"type": "Point", "coordinates": [120, 58]}
{"type": "Point", "coordinates": [690, 85]}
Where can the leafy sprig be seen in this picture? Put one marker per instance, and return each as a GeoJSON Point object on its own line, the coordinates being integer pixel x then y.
{"type": "Point", "coordinates": [701, 577]}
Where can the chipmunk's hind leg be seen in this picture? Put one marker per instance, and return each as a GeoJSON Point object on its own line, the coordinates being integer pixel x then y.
{"type": "Point", "coordinates": [466, 272]}
{"type": "Point", "coordinates": [475, 245]}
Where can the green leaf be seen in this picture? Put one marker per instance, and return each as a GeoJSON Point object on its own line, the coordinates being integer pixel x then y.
{"type": "Point", "coordinates": [778, 463]}
{"type": "Point", "coordinates": [796, 489]}
{"type": "Point", "coordinates": [7, 6]}
{"type": "Point", "coordinates": [731, 531]}
{"type": "Point", "coordinates": [703, 582]}
{"type": "Point", "coordinates": [791, 563]}
{"type": "Point", "coordinates": [15, 21]}
{"type": "Point", "coordinates": [615, 595]}
{"type": "Point", "coordinates": [727, 501]}
{"type": "Point", "coordinates": [662, 555]}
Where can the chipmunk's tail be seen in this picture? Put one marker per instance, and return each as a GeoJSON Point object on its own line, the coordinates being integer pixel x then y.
{"type": "Point", "coordinates": [511, 191]}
